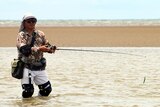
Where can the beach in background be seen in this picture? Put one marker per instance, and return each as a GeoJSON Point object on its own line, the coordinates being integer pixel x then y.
{"type": "Point", "coordinates": [91, 33]}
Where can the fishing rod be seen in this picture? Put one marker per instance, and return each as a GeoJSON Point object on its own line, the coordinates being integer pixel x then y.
{"type": "Point", "coordinates": [100, 51]}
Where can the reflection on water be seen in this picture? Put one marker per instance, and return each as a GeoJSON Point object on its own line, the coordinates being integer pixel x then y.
{"type": "Point", "coordinates": [90, 79]}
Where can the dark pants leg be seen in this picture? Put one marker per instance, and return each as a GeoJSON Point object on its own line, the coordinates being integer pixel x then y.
{"type": "Point", "coordinates": [45, 89]}
{"type": "Point", "coordinates": [28, 90]}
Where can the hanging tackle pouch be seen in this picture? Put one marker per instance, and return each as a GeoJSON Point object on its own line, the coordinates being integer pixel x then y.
{"type": "Point", "coordinates": [17, 67]}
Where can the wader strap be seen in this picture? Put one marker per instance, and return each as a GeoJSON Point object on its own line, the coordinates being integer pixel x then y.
{"type": "Point", "coordinates": [33, 39]}
{"type": "Point", "coordinates": [31, 45]}
{"type": "Point", "coordinates": [29, 75]}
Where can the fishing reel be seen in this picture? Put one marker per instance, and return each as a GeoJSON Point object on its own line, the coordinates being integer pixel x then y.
{"type": "Point", "coordinates": [51, 47]}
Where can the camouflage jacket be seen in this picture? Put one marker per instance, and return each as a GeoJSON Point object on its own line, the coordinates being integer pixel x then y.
{"type": "Point", "coordinates": [25, 39]}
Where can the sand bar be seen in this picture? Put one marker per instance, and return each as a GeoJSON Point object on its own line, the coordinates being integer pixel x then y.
{"type": "Point", "coordinates": [133, 36]}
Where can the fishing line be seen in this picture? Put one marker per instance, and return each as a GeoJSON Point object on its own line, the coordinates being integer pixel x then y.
{"type": "Point", "coordinates": [144, 80]}
{"type": "Point", "coordinates": [100, 51]}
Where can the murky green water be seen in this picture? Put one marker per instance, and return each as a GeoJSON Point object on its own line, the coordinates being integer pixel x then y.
{"type": "Point", "coordinates": [86, 79]}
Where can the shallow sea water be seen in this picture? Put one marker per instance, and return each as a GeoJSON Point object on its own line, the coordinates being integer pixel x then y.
{"type": "Point", "coordinates": [90, 79]}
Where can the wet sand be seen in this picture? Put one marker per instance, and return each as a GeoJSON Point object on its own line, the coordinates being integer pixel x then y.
{"type": "Point", "coordinates": [135, 36]}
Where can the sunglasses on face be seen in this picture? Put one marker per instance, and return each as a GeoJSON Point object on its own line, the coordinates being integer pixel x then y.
{"type": "Point", "coordinates": [31, 21]}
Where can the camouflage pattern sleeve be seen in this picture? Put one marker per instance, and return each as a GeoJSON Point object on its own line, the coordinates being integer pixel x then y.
{"type": "Point", "coordinates": [21, 40]}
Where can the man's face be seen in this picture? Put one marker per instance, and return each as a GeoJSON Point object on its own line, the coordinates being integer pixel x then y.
{"type": "Point", "coordinates": [30, 23]}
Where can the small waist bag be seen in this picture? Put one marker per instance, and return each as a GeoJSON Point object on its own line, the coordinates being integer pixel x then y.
{"type": "Point", "coordinates": [17, 68]}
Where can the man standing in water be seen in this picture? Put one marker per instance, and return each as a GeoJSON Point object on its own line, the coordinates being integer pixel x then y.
{"type": "Point", "coordinates": [31, 45]}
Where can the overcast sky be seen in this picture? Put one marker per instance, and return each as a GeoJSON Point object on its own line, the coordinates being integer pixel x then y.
{"type": "Point", "coordinates": [81, 9]}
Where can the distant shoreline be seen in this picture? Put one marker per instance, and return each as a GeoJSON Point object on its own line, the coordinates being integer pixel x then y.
{"type": "Point", "coordinates": [91, 36]}
{"type": "Point", "coordinates": [83, 23]}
